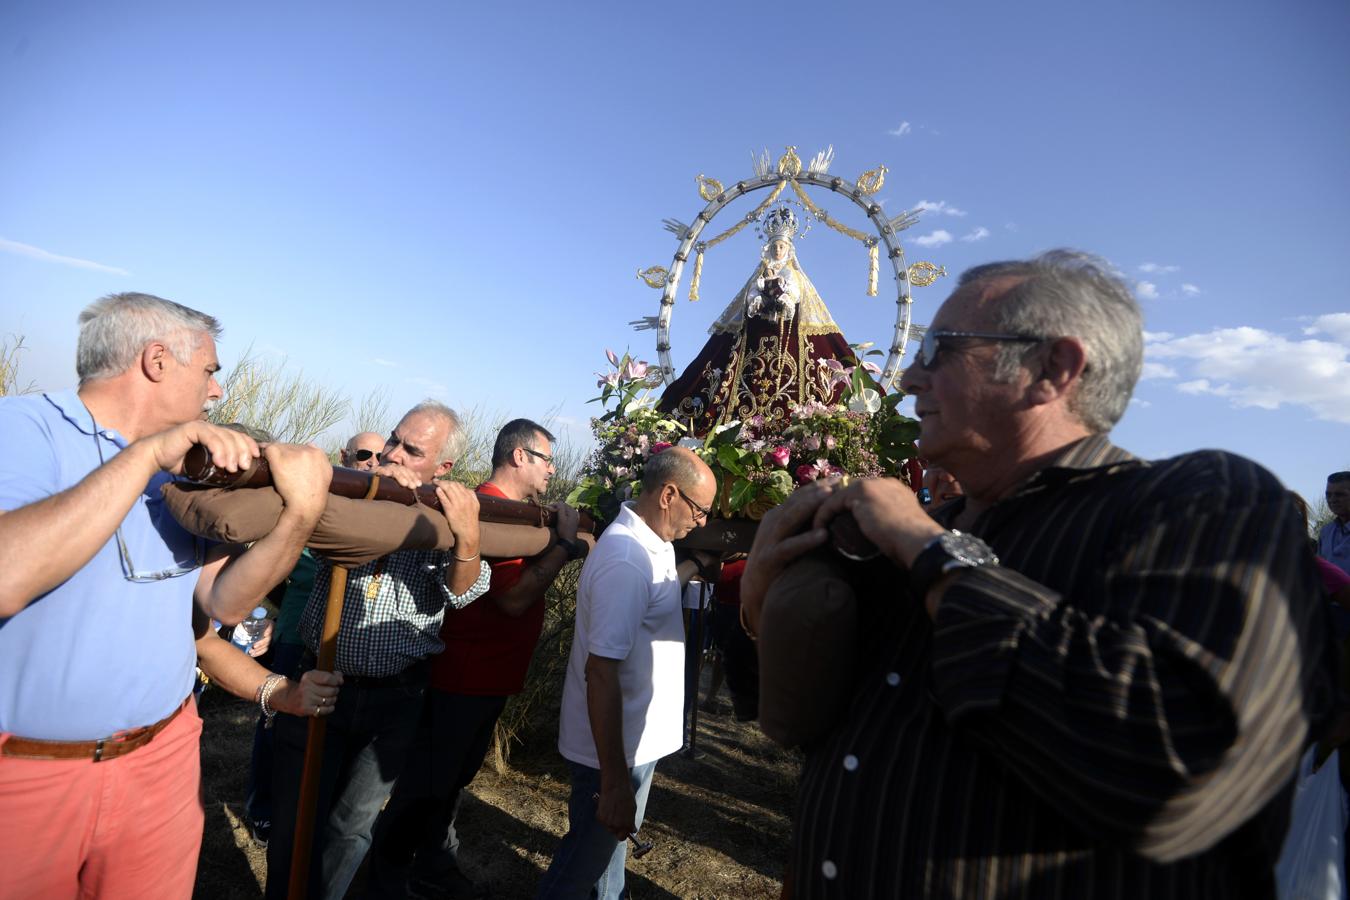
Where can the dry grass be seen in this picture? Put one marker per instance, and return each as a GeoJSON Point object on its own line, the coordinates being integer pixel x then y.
{"type": "Point", "coordinates": [10, 383]}
{"type": "Point", "coordinates": [720, 822]}
{"type": "Point", "coordinates": [262, 393]}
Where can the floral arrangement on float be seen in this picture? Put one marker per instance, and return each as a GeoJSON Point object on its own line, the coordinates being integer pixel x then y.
{"type": "Point", "coordinates": [758, 462]}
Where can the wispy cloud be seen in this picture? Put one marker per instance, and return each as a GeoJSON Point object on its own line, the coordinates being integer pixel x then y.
{"type": "Point", "coordinates": [387, 363]}
{"type": "Point", "coordinates": [979, 234]}
{"type": "Point", "coordinates": [900, 130]}
{"type": "Point", "coordinates": [1190, 290]}
{"type": "Point", "coordinates": [1146, 290]}
{"type": "Point", "coordinates": [1335, 325]}
{"type": "Point", "coordinates": [940, 207]}
{"type": "Point", "coordinates": [1153, 268]}
{"type": "Point", "coordinates": [38, 253]}
{"type": "Point", "coordinates": [1157, 370]}
{"type": "Point", "coordinates": [1254, 367]}
{"type": "Point", "coordinates": [431, 386]}
{"type": "Point", "coordinates": [934, 239]}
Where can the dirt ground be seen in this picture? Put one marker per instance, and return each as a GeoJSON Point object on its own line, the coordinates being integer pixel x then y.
{"type": "Point", "coordinates": [720, 822]}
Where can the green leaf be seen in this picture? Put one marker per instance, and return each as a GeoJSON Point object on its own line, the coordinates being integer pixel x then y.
{"type": "Point", "coordinates": [742, 493]}
{"type": "Point", "coordinates": [729, 458]}
{"type": "Point", "coordinates": [731, 434]}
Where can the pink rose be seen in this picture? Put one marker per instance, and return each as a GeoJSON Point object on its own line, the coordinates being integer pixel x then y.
{"type": "Point", "coordinates": [806, 473]}
{"type": "Point", "coordinates": [779, 456]}
{"type": "Point", "coordinates": [658, 447]}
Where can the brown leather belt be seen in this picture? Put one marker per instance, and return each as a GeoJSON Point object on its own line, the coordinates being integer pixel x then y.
{"type": "Point", "coordinates": [119, 744]}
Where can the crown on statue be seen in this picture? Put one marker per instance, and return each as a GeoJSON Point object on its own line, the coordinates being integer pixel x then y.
{"type": "Point", "coordinates": [780, 223]}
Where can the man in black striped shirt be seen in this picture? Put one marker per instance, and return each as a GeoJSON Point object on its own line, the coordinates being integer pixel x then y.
{"type": "Point", "coordinates": [1100, 683]}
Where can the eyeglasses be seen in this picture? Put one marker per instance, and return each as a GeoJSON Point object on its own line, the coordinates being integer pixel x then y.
{"type": "Point", "coordinates": [931, 345]}
{"type": "Point", "coordinates": [362, 455]}
{"type": "Point", "coordinates": [700, 512]}
{"type": "Point", "coordinates": [129, 568]}
{"type": "Point", "coordinates": [548, 460]}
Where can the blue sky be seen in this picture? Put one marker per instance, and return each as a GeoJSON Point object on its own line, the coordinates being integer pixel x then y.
{"type": "Point", "coordinates": [453, 199]}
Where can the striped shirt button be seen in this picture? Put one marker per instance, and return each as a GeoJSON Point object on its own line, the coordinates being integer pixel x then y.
{"type": "Point", "coordinates": [893, 679]}
{"type": "Point", "coordinates": [851, 763]}
{"type": "Point", "coordinates": [829, 870]}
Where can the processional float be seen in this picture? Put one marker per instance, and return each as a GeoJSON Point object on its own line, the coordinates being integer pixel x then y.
{"type": "Point", "coordinates": [789, 172]}
{"type": "Point", "coordinates": [744, 404]}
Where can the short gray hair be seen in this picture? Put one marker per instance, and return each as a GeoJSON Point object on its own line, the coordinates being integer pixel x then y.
{"type": "Point", "coordinates": [455, 440]}
{"type": "Point", "coordinates": [115, 329]}
{"type": "Point", "coordinates": [671, 466]}
{"type": "Point", "coordinates": [1068, 293]}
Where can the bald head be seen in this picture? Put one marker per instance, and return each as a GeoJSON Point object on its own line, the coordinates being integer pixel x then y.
{"type": "Point", "coordinates": [678, 492]}
{"type": "Point", "coordinates": [675, 465]}
{"type": "Point", "coordinates": [367, 441]}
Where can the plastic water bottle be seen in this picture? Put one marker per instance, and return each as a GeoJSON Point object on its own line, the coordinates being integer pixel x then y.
{"type": "Point", "coordinates": [249, 630]}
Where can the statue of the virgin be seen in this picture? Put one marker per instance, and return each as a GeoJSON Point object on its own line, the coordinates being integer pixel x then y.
{"type": "Point", "coordinates": [766, 350]}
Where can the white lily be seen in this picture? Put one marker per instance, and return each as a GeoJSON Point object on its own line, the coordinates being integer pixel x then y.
{"type": "Point", "coordinates": [868, 401]}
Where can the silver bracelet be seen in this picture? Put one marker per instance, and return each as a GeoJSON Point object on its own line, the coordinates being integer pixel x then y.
{"type": "Point", "coordinates": [265, 694]}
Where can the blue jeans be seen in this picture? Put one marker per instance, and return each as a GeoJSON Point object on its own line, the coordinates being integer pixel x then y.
{"type": "Point", "coordinates": [589, 861]}
{"type": "Point", "coordinates": [365, 746]}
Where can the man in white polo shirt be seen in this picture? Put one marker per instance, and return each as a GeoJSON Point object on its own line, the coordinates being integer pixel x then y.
{"type": "Point", "coordinates": [623, 700]}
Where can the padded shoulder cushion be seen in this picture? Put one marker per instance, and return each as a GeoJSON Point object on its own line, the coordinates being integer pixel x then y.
{"type": "Point", "coordinates": [350, 532]}
{"type": "Point", "coordinates": [808, 650]}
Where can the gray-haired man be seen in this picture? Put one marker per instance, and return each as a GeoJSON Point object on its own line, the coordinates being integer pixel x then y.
{"type": "Point", "coordinates": [99, 764]}
{"type": "Point", "coordinates": [1100, 683]}
{"type": "Point", "coordinates": [391, 614]}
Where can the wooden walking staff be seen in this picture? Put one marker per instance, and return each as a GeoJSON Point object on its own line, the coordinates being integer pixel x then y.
{"type": "Point", "coordinates": [318, 727]}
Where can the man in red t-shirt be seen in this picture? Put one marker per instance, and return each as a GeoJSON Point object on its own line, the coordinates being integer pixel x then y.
{"type": "Point", "coordinates": [488, 646]}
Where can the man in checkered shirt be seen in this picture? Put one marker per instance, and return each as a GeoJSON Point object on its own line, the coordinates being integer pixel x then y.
{"type": "Point", "coordinates": [391, 618]}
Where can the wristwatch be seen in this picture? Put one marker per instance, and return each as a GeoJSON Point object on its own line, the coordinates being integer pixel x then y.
{"type": "Point", "coordinates": [945, 553]}
{"type": "Point", "coordinates": [573, 548]}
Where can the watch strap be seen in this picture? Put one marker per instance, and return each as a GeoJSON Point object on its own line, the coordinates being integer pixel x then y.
{"type": "Point", "coordinates": [928, 567]}
{"type": "Point", "coordinates": [572, 547]}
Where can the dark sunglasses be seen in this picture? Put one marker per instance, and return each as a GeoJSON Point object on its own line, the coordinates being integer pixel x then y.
{"type": "Point", "coordinates": [362, 455]}
{"type": "Point", "coordinates": [931, 345]}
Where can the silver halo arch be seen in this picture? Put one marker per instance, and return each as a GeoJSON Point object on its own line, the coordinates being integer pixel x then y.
{"type": "Point", "coordinates": [886, 234]}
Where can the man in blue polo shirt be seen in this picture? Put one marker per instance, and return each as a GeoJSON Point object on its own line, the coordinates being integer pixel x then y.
{"type": "Point", "coordinates": [99, 768]}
